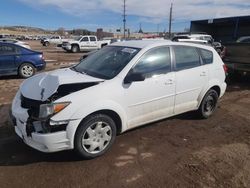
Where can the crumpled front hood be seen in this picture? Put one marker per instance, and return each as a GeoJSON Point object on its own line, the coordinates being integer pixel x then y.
{"type": "Point", "coordinates": [42, 86]}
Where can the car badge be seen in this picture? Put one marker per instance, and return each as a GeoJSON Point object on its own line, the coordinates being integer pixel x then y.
{"type": "Point", "coordinates": [42, 93]}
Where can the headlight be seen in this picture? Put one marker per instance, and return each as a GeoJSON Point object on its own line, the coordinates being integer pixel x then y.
{"type": "Point", "coordinates": [57, 123]}
{"type": "Point", "coordinates": [51, 109]}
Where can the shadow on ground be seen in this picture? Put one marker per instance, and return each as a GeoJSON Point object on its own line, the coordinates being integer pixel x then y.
{"type": "Point", "coordinates": [236, 83]}
{"type": "Point", "coordinates": [15, 153]}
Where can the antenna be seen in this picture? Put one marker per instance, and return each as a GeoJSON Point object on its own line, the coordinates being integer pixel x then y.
{"type": "Point", "coordinates": [124, 18]}
{"type": "Point", "coordinates": [170, 20]}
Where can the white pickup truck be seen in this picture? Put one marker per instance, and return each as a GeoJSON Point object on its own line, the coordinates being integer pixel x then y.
{"type": "Point", "coordinates": [58, 40]}
{"type": "Point", "coordinates": [84, 43]}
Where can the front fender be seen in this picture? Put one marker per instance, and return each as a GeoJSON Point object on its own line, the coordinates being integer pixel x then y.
{"type": "Point", "coordinates": [82, 111]}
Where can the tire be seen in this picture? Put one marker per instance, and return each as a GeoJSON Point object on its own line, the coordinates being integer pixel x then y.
{"type": "Point", "coordinates": [103, 45]}
{"type": "Point", "coordinates": [26, 70]}
{"type": "Point", "coordinates": [46, 44]}
{"type": "Point", "coordinates": [94, 136]}
{"type": "Point", "coordinates": [208, 104]}
{"type": "Point", "coordinates": [75, 49]}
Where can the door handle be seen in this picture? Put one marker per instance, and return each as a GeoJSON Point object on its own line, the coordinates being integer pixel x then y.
{"type": "Point", "coordinates": [203, 74]}
{"type": "Point", "coordinates": [169, 82]}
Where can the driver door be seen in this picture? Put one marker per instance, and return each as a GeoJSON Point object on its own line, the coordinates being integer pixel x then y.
{"type": "Point", "coordinates": [84, 43]}
{"type": "Point", "coordinates": [7, 59]}
{"type": "Point", "coordinates": [153, 98]}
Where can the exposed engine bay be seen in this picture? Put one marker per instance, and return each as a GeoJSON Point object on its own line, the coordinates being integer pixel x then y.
{"type": "Point", "coordinates": [46, 89]}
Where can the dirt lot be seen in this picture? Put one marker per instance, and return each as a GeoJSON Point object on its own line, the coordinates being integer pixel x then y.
{"type": "Point", "coordinates": [182, 151]}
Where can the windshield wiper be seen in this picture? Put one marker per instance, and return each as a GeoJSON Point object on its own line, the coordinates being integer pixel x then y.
{"type": "Point", "coordinates": [76, 70]}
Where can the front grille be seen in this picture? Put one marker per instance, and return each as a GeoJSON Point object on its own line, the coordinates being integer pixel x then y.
{"type": "Point", "coordinates": [33, 106]}
{"type": "Point", "coordinates": [65, 43]}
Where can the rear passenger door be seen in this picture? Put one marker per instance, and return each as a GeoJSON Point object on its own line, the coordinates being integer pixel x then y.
{"type": "Point", "coordinates": [7, 59]}
{"type": "Point", "coordinates": [93, 43]}
{"type": "Point", "coordinates": [191, 78]}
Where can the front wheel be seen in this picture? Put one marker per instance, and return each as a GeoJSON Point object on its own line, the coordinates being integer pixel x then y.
{"type": "Point", "coordinates": [208, 104]}
{"type": "Point", "coordinates": [95, 136]}
{"type": "Point", "coordinates": [26, 70]}
{"type": "Point", "coordinates": [75, 49]}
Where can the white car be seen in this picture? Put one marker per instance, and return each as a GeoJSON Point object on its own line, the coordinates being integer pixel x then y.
{"type": "Point", "coordinates": [17, 42]}
{"type": "Point", "coordinates": [58, 40]}
{"type": "Point", "coordinates": [120, 87]}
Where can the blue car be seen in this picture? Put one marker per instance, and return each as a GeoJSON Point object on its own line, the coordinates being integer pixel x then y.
{"type": "Point", "coordinates": [16, 60]}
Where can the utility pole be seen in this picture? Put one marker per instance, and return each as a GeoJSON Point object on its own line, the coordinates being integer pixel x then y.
{"type": "Point", "coordinates": [124, 19]}
{"type": "Point", "coordinates": [170, 20]}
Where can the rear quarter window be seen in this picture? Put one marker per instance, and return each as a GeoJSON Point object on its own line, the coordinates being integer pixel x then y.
{"type": "Point", "coordinates": [207, 56]}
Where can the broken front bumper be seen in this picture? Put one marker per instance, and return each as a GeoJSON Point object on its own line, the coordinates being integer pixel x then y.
{"type": "Point", "coordinates": [45, 142]}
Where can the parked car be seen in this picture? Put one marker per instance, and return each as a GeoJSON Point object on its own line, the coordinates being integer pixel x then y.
{"type": "Point", "coordinates": [120, 87]}
{"type": "Point", "coordinates": [245, 39]}
{"type": "Point", "coordinates": [17, 42]}
{"type": "Point", "coordinates": [237, 56]}
{"type": "Point", "coordinates": [201, 39]}
{"type": "Point", "coordinates": [58, 40]}
{"type": "Point", "coordinates": [16, 60]}
{"type": "Point", "coordinates": [204, 37]}
{"type": "Point", "coordinates": [84, 43]}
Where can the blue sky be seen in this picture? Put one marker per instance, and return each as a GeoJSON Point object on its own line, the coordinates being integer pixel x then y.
{"type": "Point", "coordinates": [52, 14]}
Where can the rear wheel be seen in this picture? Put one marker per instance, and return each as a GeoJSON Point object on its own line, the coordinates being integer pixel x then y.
{"type": "Point", "coordinates": [26, 70]}
{"type": "Point", "coordinates": [208, 104]}
{"type": "Point", "coordinates": [95, 136]}
{"type": "Point", "coordinates": [103, 45]}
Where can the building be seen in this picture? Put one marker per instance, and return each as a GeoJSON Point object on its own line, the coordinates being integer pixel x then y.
{"type": "Point", "coordinates": [223, 29]}
{"type": "Point", "coordinates": [102, 34]}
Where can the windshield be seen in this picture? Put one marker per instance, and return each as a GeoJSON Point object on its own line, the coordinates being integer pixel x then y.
{"type": "Point", "coordinates": [107, 62]}
{"type": "Point", "coordinates": [77, 38]}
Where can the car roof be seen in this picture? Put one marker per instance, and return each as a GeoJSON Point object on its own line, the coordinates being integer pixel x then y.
{"type": "Point", "coordinates": [192, 40]}
{"type": "Point", "coordinates": [8, 43]}
{"type": "Point", "coordinates": [154, 43]}
{"type": "Point", "coordinates": [141, 43]}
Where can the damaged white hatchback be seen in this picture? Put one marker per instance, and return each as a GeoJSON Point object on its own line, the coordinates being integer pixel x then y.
{"type": "Point", "coordinates": [120, 87]}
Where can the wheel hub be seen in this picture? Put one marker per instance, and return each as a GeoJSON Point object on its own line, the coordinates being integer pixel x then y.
{"type": "Point", "coordinates": [27, 70]}
{"type": "Point", "coordinates": [210, 104]}
{"type": "Point", "coordinates": [96, 137]}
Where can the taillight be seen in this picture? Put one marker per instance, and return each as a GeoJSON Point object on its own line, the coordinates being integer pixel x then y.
{"type": "Point", "coordinates": [225, 68]}
{"type": "Point", "coordinates": [223, 52]}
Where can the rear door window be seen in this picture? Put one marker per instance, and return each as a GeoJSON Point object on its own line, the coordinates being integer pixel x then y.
{"type": "Point", "coordinates": [92, 39]}
{"type": "Point", "coordinates": [186, 57]}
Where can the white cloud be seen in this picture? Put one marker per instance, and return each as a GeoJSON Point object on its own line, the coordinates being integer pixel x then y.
{"type": "Point", "coordinates": [154, 11]}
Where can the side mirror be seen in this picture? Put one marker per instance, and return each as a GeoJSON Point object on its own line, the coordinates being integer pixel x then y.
{"type": "Point", "coordinates": [133, 77]}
